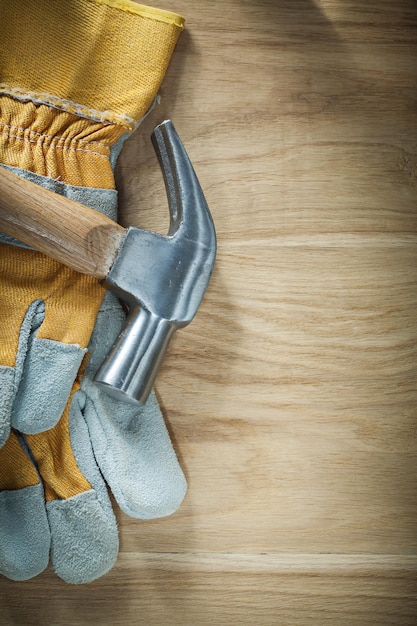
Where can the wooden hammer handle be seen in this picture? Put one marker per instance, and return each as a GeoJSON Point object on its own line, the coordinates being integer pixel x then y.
{"type": "Point", "coordinates": [63, 229]}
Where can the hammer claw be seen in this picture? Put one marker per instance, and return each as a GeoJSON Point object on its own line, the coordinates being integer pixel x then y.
{"type": "Point", "coordinates": [189, 214]}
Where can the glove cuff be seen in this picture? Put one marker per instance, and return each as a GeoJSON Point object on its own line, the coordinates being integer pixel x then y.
{"type": "Point", "coordinates": [99, 59]}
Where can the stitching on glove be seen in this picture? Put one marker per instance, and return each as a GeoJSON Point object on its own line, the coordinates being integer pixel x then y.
{"type": "Point", "coordinates": [106, 117]}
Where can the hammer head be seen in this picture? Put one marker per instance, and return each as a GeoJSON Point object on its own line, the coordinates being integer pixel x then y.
{"type": "Point", "coordinates": [161, 278]}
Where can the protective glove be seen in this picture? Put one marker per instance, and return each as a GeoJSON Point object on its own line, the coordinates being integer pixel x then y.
{"type": "Point", "coordinates": [62, 126]}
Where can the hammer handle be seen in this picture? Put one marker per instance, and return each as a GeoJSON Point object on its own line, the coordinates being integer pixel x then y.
{"type": "Point", "coordinates": [67, 231]}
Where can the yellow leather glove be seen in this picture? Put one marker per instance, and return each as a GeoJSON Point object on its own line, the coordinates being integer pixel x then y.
{"type": "Point", "coordinates": [76, 78]}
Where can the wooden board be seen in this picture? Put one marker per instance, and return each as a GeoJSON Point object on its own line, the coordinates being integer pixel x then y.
{"type": "Point", "coordinates": [292, 398]}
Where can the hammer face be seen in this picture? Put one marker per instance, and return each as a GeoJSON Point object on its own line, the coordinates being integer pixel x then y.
{"type": "Point", "coordinates": [162, 278]}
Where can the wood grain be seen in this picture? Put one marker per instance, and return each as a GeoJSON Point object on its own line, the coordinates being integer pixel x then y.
{"type": "Point", "coordinates": [292, 397]}
{"type": "Point", "coordinates": [189, 589]}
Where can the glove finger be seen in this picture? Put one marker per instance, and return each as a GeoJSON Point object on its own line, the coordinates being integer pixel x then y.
{"type": "Point", "coordinates": [48, 373]}
{"type": "Point", "coordinates": [135, 454]}
{"type": "Point", "coordinates": [131, 443]}
{"type": "Point", "coordinates": [35, 392]}
{"type": "Point", "coordinates": [84, 536]}
{"type": "Point", "coordinates": [11, 373]}
{"type": "Point", "coordinates": [24, 528]}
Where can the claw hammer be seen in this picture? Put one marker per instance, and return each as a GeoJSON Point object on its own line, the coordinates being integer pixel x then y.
{"type": "Point", "coordinates": [161, 278]}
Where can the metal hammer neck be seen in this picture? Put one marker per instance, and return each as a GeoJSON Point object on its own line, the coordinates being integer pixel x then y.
{"type": "Point", "coordinates": [134, 360]}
